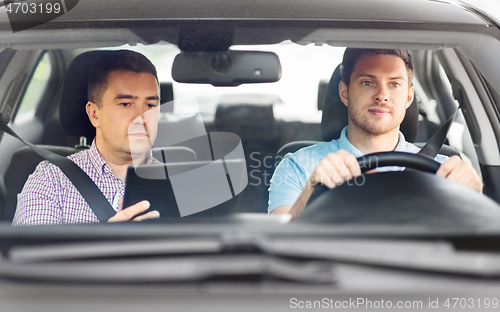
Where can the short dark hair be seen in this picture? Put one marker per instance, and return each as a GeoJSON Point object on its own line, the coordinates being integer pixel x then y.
{"type": "Point", "coordinates": [121, 60]}
{"type": "Point", "coordinates": [352, 55]}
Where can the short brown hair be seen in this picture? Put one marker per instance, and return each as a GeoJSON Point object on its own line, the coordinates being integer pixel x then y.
{"type": "Point", "coordinates": [121, 60]}
{"type": "Point", "coordinates": [352, 55]}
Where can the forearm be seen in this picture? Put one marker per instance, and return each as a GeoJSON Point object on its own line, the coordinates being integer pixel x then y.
{"type": "Point", "coordinates": [298, 207]}
{"type": "Point", "coordinates": [333, 170]}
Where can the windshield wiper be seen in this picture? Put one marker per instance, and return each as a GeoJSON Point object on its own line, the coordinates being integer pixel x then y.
{"type": "Point", "coordinates": [183, 269]}
{"type": "Point", "coordinates": [147, 261]}
{"type": "Point", "coordinates": [179, 269]}
{"type": "Point", "coordinates": [437, 257]}
{"type": "Point", "coordinates": [238, 254]}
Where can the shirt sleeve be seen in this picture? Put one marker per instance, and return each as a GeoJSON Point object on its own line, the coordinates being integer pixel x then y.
{"type": "Point", "coordinates": [287, 183]}
{"type": "Point", "coordinates": [440, 158]}
{"type": "Point", "coordinates": [38, 201]}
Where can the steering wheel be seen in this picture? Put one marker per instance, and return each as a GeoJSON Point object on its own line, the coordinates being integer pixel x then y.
{"type": "Point", "coordinates": [384, 159]}
{"type": "Point", "coordinates": [401, 159]}
{"type": "Point", "coordinates": [410, 197]}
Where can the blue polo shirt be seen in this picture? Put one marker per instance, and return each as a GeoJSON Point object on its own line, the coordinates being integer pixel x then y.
{"type": "Point", "coordinates": [290, 176]}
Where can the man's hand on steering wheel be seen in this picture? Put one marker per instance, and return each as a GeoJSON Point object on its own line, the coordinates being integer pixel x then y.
{"type": "Point", "coordinates": [460, 171]}
{"type": "Point", "coordinates": [335, 169]}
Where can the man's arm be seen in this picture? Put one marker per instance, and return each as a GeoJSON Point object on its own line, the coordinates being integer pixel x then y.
{"type": "Point", "coordinates": [298, 207]}
{"type": "Point", "coordinates": [333, 170]}
{"type": "Point", "coordinates": [336, 168]}
{"type": "Point", "coordinates": [37, 203]}
{"type": "Point", "coordinates": [460, 171]}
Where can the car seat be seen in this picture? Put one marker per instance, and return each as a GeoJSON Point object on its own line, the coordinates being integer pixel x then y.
{"type": "Point", "coordinates": [251, 117]}
{"type": "Point", "coordinates": [334, 119]}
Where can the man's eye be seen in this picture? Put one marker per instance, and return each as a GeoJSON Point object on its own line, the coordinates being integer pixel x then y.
{"type": "Point", "coordinates": [125, 104]}
{"type": "Point", "coordinates": [366, 83]}
{"type": "Point", "coordinates": [150, 105]}
{"type": "Point", "coordinates": [395, 85]}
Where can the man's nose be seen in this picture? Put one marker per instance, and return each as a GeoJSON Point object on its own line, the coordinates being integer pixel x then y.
{"type": "Point", "coordinates": [382, 94]}
{"type": "Point", "coordinates": [139, 115]}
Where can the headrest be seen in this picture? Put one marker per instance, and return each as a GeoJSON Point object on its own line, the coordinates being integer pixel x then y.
{"type": "Point", "coordinates": [244, 114]}
{"type": "Point", "coordinates": [250, 110]}
{"type": "Point", "coordinates": [250, 122]}
{"type": "Point", "coordinates": [335, 113]}
{"type": "Point", "coordinates": [167, 96]}
{"type": "Point", "coordinates": [74, 119]}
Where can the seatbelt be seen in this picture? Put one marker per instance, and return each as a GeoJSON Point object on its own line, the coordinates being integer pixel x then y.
{"type": "Point", "coordinates": [432, 147]}
{"type": "Point", "coordinates": [83, 183]}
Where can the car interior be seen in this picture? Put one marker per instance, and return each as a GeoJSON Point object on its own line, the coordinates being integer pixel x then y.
{"type": "Point", "coordinates": [56, 120]}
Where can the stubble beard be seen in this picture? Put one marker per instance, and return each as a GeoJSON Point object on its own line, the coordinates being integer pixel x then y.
{"type": "Point", "coordinates": [374, 128]}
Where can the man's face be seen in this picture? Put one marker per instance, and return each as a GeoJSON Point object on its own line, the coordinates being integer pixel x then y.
{"type": "Point", "coordinates": [378, 94]}
{"type": "Point", "coordinates": [127, 118]}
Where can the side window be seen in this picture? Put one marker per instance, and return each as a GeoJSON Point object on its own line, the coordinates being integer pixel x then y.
{"type": "Point", "coordinates": [27, 105]}
{"type": "Point", "coordinates": [458, 136]}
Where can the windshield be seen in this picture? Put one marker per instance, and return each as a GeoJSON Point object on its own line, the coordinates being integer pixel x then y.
{"type": "Point", "coordinates": [261, 121]}
{"type": "Point", "coordinates": [217, 148]}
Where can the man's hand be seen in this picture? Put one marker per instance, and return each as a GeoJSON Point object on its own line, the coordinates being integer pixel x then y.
{"type": "Point", "coordinates": [335, 169]}
{"type": "Point", "coordinates": [130, 213]}
{"type": "Point", "coordinates": [460, 171]}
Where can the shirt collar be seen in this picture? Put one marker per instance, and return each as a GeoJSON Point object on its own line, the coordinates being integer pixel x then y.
{"type": "Point", "coordinates": [402, 144]}
{"type": "Point", "coordinates": [97, 160]}
{"type": "Point", "coordinates": [100, 164]}
{"type": "Point", "coordinates": [344, 144]}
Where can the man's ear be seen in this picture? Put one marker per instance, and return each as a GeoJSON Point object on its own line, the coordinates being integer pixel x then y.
{"type": "Point", "coordinates": [93, 113]}
{"type": "Point", "coordinates": [411, 94]}
{"type": "Point", "coordinates": [344, 94]}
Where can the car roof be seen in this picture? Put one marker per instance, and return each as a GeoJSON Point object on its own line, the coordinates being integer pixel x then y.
{"type": "Point", "coordinates": [94, 23]}
{"type": "Point", "coordinates": [408, 11]}
{"type": "Point", "coordinates": [421, 11]}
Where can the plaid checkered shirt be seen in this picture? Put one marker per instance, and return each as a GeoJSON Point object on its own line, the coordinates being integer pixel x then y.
{"type": "Point", "coordinates": [49, 197]}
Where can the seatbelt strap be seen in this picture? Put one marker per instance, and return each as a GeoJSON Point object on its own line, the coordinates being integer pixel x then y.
{"type": "Point", "coordinates": [432, 147]}
{"type": "Point", "coordinates": [83, 183]}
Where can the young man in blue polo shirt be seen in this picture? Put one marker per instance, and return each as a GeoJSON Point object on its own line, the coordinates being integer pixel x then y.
{"type": "Point", "coordinates": [376, 88]}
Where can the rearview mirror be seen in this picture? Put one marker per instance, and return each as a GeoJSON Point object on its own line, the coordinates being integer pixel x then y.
{"type": "Point", "coordinates": [226, 68]}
